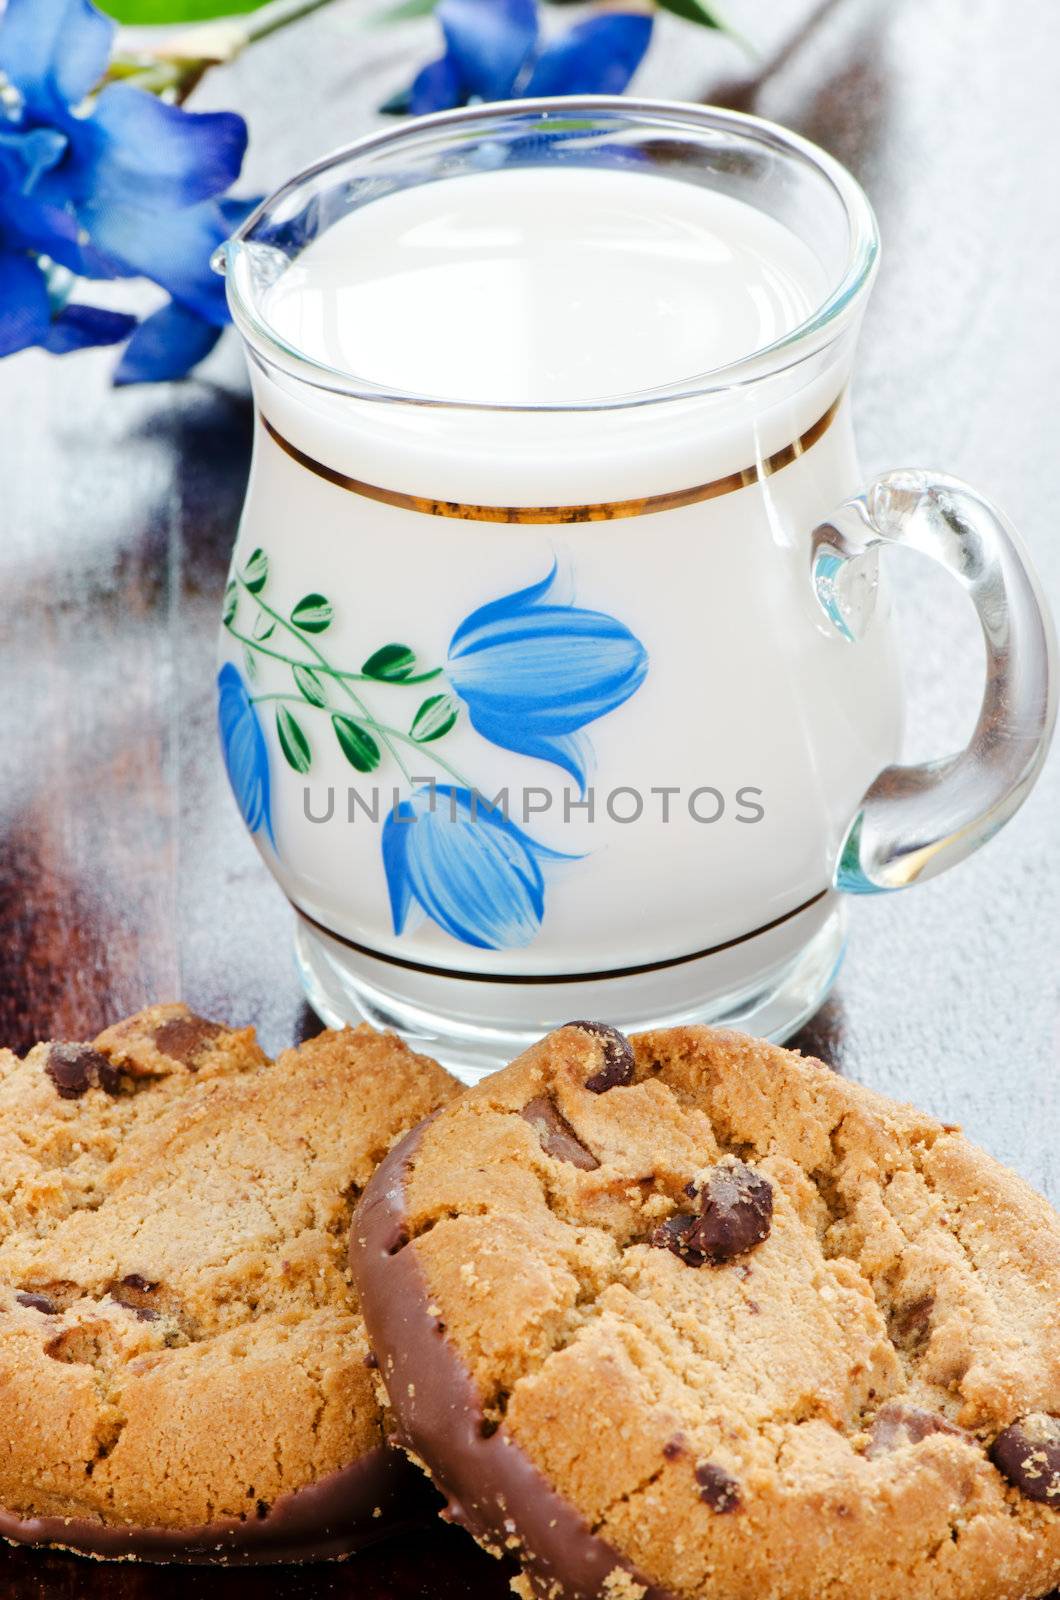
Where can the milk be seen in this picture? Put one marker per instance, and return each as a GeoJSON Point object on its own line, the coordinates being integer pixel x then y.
{"type": "Point", "coordinates": [545, 284]}
{"type": "Point", "coordinates": [568, 310]}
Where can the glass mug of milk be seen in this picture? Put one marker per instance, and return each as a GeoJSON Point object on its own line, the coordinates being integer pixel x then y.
{"type": "Point", "coordinates": [557, 670]}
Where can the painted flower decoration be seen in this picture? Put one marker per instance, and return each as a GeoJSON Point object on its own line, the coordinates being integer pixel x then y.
{"type": "Point", "coordinates": [533, 672]}
{"type": "Point", "coordinates": [494, 51]}
{"type": "Point", "coordinates": [468, 867]}
{"type": "Point", "coordinates": [105, 182]}
{"type": "Point", "coordinates": [246, 754]}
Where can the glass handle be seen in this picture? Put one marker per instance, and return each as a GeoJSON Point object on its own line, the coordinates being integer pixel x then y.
{"type": "Point", "coordinates": [914, 822]}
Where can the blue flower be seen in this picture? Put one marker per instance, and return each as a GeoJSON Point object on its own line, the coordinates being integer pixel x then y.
{"type": "Point", "coordinates": [493, 51]}
{"type": "Point", "coordinates": [472, 871]}
{"type": "Point", "coordinates": [104, 183]}
{"type": "Point", "coordinates": [532, 673]}
{"type": "Point", "coordinates": [245, 751]}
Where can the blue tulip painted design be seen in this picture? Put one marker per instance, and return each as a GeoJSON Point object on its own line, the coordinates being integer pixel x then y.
{"type": "Point", "coordinates": [529, 672]}
{"type": "Point", "coordinates": [533, 672]}
{"type": "Point", "coordinates": [245, 752]}
{"type": "Point", "coordinates": [472, 871]}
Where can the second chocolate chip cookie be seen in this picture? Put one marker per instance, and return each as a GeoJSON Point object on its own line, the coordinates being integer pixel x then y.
{"type": "Point", "coordinates": [695, 1317]}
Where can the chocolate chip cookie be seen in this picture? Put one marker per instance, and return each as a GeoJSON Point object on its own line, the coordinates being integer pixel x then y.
{"type": "Point", "coordinates": [692, 1316]}
{"type": "Point", "coordinates": [183, 1366]}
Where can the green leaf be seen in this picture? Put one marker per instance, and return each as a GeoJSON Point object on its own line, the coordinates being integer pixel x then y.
{"type": "Point", "coordinates": [309, 685]}
{"type": "Point", "coordinates": [435, 717]}
{"type": "Point", "coordinates": [249, 662]}
{"type": "Point", "coordinates": [256, 572]}
{"type": "Point", "coordinates": [312, 613]}
{"type": "Point", "coordinates": [390, 664]}
{"type": "Point", "coordinates": [695, 11]}
{"type": "Point", "coordinates": [264, 626]}
{"type": "Point", "coordinates": [293, 741]}
{"type": "Point", "coordinates": [148, 13]}
{"type": "Point", "coordinates": [228, 615]}
{"type": "Point", "coordinates": [358, 746]}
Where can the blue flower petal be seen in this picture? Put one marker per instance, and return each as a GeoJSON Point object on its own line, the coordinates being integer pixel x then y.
{"type": "Point", "coordinates": [27, 153]}
{"type": "Point", "coordinates": [166, 346]}
{"type": "Point", "coordinates": [78, 327]}
{"type": "Point", "coordinates": [570, 751]}
{"type": "Point", "coordinates": [533, 673]}
{"type": "Point", "coordinates": [399, 823]}
{"type": "Point", "coordinates": [436, 87]}
{"type": "Point", "coordinates": [54, 51]}
{"type": "Point", "coordinates": [172, 249]}
{"type": "Point", "coordinates": [474, 872]}
{"type": "Point", "coordinates": [488, 42]}
{"type": "Point", "coordinates": [24, 309]}
{"type": "Point", "coordinates": [597, 56]}
{"type": "Point", "coordinates": [136, 151]}
{"type": "Point", "coordinates": [245, 752]}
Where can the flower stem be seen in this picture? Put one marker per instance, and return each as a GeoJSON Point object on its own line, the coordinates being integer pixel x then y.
{"type": "Point", "coordinates": [307, 644]}
{"type": "Point", "coordinates": [382, 728]}
{"type": "Point", "coordinates": [277, 14]}
{"type": "Point", "coordinates": [333, 672]}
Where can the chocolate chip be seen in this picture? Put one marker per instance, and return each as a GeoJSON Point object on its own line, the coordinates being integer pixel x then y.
{"type": "Point", "coordinates": [911, 1323]}
{"type": "Point", "coordinates": [38, 1302]}
{"type": "Point", "coordinates": [718, 1488]}
{"type": "Point", "coordinates": [76, 1068]}
{"type": "Point", "coordinates": [676, 1234]}
{"type": "Point", "coordinates": [134, 1293]}
{"type": "Point", "coordinates": [184, 1039]}
{"type": "Point", "coordinates": [555, 1134]}
{"type": "Point", "coordinates": [1027, 1453]}
{"type": "Point", "coordinates": [618, 1056]}
{"type": "Point", "coordinates": [675, 1447]}
{"type": "Point", "coordinates": [897, 1425]}
{"type": "Point", "coordinates": [133, 1280]}
{"type": "Point", "coordinates": [371, 1361]}
{"type": "Point", "coordinates": [735, 1214]}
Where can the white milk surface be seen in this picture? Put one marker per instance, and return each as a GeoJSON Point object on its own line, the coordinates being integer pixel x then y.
{"type": "Point", "coordinates": [545, 284]}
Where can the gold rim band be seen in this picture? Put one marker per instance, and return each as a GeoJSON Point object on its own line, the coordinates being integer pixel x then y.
{"type": "Point", "coordinates": [609, 511]}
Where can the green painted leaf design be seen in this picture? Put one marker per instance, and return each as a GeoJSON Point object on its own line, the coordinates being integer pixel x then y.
{"type": "Point", "coordinates": [358, 746]}
{"type": "Point", "coordinates": [312, 613]}
{"type": "Point", "coordinates": [309, 685]}
{"type": "Point", "coordinates": [256, 571]}
{"type": "Point", "coordinates": [228, 615]}
{"type": "Point", "coordinates": [249, 662]}
{"type": "Point", "coordinates": [264, 626]}
{"type": "Point", "coordinates": [435, 717]}
{"type": "Point", "coordinates": [695, 11]}
{"type": "Point", "coordinates": [391, 663]}
{"type": "Point", "coordinates": [293, 741]}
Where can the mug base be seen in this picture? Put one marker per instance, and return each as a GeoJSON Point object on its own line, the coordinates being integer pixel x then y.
{"type": "Point", "coordinates": [768, 986]}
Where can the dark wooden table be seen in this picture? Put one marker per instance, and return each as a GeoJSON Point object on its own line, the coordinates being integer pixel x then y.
{"type": "Point", "coordinates": [125, 874]}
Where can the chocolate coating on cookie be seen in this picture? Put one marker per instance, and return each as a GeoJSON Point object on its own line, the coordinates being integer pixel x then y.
{"type": "Point", "coordinates": [1027, 1453]}
{"type": "Point", "coordinates": [619, 1064]}
{"type": "Point", "coordinates": [492, 1487]}
{"type": "Point", "coordinates": [339, 1514]}
{"type": "Point", "coordinates": [76, 1068]}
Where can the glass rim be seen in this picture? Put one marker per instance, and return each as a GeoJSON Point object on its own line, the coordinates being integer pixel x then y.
{"type": "Point", "coordinates": [809, 337]}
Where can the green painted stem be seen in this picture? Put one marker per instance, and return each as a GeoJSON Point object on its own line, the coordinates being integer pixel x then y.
{"type": "Point", "coordinates": [384, 729]}
{"type": "Point", "coordinates": [307, 644]}
{"type": "Point", "coordinates": [333, 672]}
